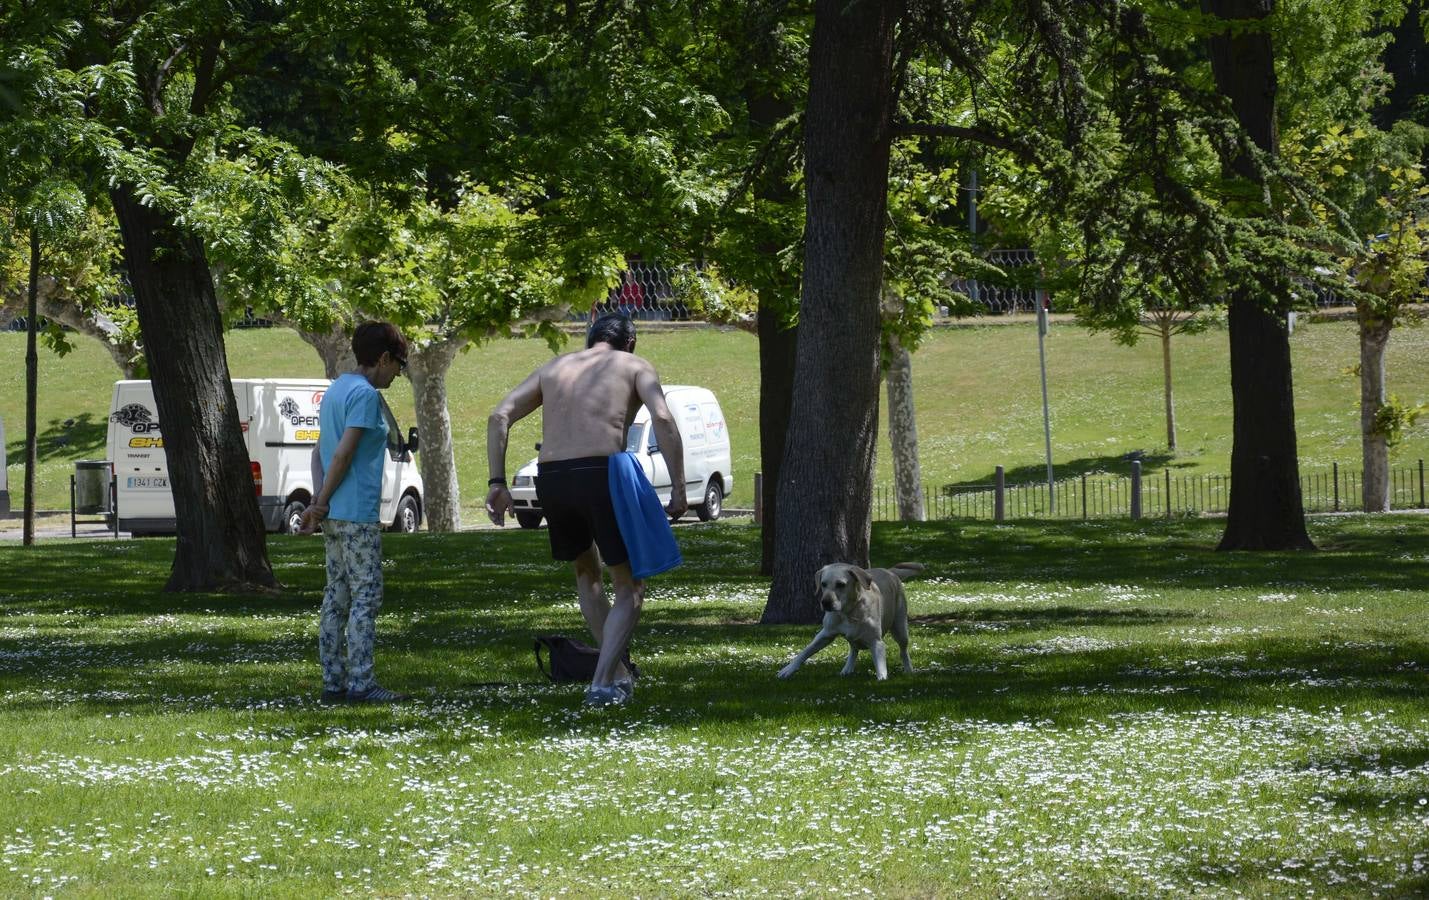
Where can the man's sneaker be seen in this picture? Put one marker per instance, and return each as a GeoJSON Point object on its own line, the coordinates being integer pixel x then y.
{"type": "Point", "coordinates": [333, 698]}
{"type": "Point", "coordinates": [626, 686]}
{"type": "Point", "coordinates": [605, 696]}
{"type": "Point", "coordinates": [377, 694]}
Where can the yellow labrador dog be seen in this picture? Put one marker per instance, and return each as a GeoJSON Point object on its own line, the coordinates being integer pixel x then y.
{"type": "Point", "coordinates": [862, 605]}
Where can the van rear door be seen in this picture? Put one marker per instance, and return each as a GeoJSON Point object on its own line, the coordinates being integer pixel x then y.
{"type": "Point", "coordinates": [136, 447]}
{"type": "Point", "coordinates": [692, 434]}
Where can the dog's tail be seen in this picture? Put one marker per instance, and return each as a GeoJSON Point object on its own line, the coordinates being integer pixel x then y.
{"type": "Point", "coordinates": [906, 570]}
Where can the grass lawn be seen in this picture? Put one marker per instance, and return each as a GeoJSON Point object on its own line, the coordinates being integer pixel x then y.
{"type": "Point", "coordinates": [1100, 709]}
{"type": "Point", "coordinates": [978, 398]}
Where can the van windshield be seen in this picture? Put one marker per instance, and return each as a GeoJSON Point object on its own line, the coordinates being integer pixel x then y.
{"type": "Point", "coordinates": [634, 438]}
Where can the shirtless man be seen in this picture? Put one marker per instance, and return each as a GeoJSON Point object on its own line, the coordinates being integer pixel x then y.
{"type": "Point", "coordinates": [590, 398]}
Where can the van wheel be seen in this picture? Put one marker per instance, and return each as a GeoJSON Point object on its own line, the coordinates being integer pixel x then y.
{"type": "Point", "coordinates": [293, 516]}
{"type": "Point", "coordinates": [409, 515]}
{"type": "Point", "coordinates": [529, 519]}
{"type": "Point", "coordinates": [714, 503]}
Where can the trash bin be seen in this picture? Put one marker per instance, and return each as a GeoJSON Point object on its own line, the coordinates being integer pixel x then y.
{"type": "Point", "coordinates": [91, 486]}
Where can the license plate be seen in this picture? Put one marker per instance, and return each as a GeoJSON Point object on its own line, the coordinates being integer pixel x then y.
{"type": "Point", "coordinates": [148, 483]}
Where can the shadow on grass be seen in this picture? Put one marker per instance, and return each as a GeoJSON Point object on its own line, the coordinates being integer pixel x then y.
{"type": "Point", "coordinates": [1383, 763]}
{"type": "Point", "coordinates": [1158, 554]}
{"type": "Point", "coordinates": [461, 612]}
{"type": "Point", "coordinates": [81, 436]}
{"type": "Point", "coordinates": [1267, 877]}
{"type": "Point", "coordinates": [1042, 618]}
{"type": "Point", "coordinates": [688, 670]}
{"type": "Point", "coordinates": [1119, 465]}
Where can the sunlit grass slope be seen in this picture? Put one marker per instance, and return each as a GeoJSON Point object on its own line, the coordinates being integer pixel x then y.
{"type": "Point", "coordinates": [978, 398]}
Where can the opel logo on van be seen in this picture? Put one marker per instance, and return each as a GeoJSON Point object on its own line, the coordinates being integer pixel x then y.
{"type": "Point", "coordinates": [136, 417]}
{"type": "Point", "coordinates": [290, 410]}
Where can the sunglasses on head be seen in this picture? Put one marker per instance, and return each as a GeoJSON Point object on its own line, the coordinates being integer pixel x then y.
{"type": "Point", "coordinates": [401, 362]}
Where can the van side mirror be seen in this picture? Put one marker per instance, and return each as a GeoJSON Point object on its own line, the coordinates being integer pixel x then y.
{"type": "Point", "coordinates": [412, 442]}
{"type": "Point", "coordinates": [538, 446]}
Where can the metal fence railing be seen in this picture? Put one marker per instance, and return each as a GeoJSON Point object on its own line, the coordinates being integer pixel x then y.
{"type": "Point", "coordinates": [1161, 494]}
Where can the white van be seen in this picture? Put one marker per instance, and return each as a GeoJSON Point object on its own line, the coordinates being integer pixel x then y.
{"type": "Point", "coordinates": [279, 417]}
{"type": "Point", "coordinates": [708, 475]}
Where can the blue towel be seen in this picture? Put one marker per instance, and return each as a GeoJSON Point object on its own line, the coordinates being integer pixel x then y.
{"type": "Point", "coordinates": [644, 526]}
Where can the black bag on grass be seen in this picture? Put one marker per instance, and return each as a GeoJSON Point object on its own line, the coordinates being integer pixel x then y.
{"type": "Point", "coordinates": [571, 660]}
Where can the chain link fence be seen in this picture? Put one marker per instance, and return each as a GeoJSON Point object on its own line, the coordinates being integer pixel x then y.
{"type": "Point", "coordinates": [1021, 292]}
{"type": "Point", "coordinates": [653, 292]}
{"type": "Point", "coordinates": [647, 292]}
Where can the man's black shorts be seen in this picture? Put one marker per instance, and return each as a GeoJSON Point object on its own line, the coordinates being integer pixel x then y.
{"type": "Point", "coordinates": [575, 497]}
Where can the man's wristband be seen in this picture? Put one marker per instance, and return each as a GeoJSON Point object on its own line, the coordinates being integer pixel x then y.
{"type": "Point", "coordinates": [492, 482]}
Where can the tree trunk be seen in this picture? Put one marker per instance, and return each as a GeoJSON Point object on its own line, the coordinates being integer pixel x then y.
{"type": "Point", "coordinates": [427, 368]}
{"type": "Point", "coordinates": [1166, 378]}
{"type": "Point", "coordinates": [777, 347]}
{"type": "Point", "coordinates": [903, 433]}
{"type": "Point", "coordinates": [1266, 511]}
{"type": "Point", "coordinates": [334, 347]}
{"type": "Point", "coordinates": [775, 323]}
{"type": "Point", "coordinates": [220, 534]}
{"type": "Point", "coordinates": [57, 306]}
{"type": "Point", "coordinates": [826, 476]}
{"type": "Point", "coordinates": [1374, 337]}
{"type": "Point", "coordinates": [32, 381]}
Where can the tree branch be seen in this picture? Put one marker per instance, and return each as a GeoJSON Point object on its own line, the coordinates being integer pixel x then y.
{"type": "Point", "coordinates": [959, 132]}
{"type": "Point", "coordinates": [204, 84]}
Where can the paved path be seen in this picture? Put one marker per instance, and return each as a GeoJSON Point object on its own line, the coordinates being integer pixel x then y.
{"type": "Point", "coordinates": [52, 526]}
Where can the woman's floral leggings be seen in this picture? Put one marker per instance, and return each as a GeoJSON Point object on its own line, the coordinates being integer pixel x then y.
{"type": "Point", "coordinates": [347, 628]}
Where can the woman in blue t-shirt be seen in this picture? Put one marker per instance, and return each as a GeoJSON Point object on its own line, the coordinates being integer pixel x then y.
{"type": "Point", "coordinates": [351, 443]}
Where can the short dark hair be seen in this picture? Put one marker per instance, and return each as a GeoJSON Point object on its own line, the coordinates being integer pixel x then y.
{"type": "Point", "coordinates": [615, 329]}
{"type": "Point", "coordinates": [371, 339]}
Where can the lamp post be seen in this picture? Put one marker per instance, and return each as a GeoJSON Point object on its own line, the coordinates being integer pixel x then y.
{"type": "Point", "coordinates": [1046, 412]}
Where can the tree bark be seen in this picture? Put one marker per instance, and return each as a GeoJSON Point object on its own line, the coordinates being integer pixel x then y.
{"type": "Point", "coordinates": [1266, 511]}
{"type": "Point", "coordinates": [774, 323]}
{"type": "Point", "coordinates": [220, 534]}
{"type": "Point", "coordinates": [777, 347]}
{"type": "Point", "coordinates": [32, 381]}
{"type": "Point", "coordinates": [334, 348]}
{"type": "Point", "coordinates": [1166, 380]}
{"type": "Point", "coordinates": [1374, 337]}
{"type": "Point", "coordinates": [427, 368]}
{"type": "Point", "coordinates": [903, 433]}
{"type": "Point", "coordinates": [826, 476]}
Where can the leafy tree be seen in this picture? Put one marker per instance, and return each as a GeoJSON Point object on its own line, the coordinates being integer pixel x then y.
{"type": "Point", "coordinates": [1384, 275]}
{"type": "Point", "coordinates": [503, 158]}
{"type": "Point", "coordinates": [78, 288]}
{"type": "Point", "coordinates": [139, 93]}
{"type": "Point", "coordinates": [1362, 151]}
{"type": "Point", "coordinates": [451, 277]}
{"type": "Point", "coordinates": [41, 202]}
